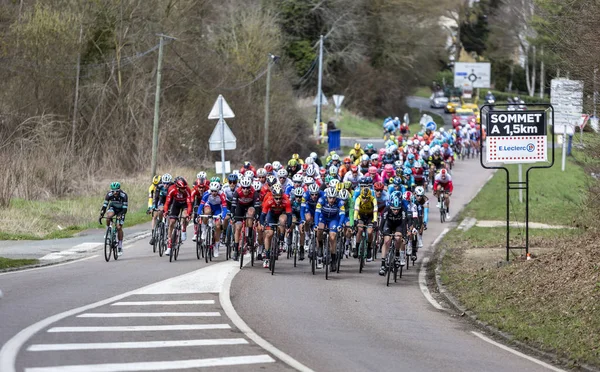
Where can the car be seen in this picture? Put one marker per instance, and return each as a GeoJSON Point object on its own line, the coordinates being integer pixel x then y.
{"type": "Point", "coordinates": [452, 105]}
{"type": "Point", "coordinates": [438, 100]}
{"type": "Point", "coordinates": [475, 108]}
{"type": "Point", "coordinates": [464, 117]}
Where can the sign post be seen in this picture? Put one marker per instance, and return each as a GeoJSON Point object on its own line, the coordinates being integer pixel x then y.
{"type": "Point", "coordinates": [337, 100]}
{"type": "Point", "coordinates": [222, 137]}
{"type": "Point", "coordinates": [516, 137]}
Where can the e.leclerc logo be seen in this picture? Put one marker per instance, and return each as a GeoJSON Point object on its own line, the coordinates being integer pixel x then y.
{"type": "Point", "coordinates": [529, 148]}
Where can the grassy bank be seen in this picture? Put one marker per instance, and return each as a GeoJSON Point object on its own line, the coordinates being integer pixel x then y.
{"type": "Point", "coordinates": [7, 263]}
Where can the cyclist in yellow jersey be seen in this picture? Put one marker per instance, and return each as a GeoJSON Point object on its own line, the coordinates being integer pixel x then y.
{"type": "Point", "coordinates": [365, 213]}
{"type": "Point", "coordinates": [356, 153]}
{"type": "Point", "coordinates": [151, 191]}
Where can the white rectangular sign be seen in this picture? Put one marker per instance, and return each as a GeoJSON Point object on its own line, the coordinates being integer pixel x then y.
{"type": "Point", "coordinates": [478, 74]}
{"type": "Point", "coordinates": [218, 166]}
{"type": "Point", "coordinates": [516, 149]}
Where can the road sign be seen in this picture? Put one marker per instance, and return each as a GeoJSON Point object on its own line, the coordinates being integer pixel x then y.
{"type": "Point", "coordinates": [323, 100]}
{"type": "Point", "coordinates": [431, 126]}
{"type": "Point", "coordinates": [583, 121]}
{"type": "Point", "coordinates": [337, 100]}
{"type": "Point", "coordinates": [406, 119]}
{"type": "Point", "coordinates": [477, 74]}
{"type": "Point", "coordinates": [219, 166]}
{"type": "Point", "coordinates": [215, 141]}
{"type": "Point", "coordinates": [227, 112]}
{"type": "Point", "coordinates": [516, 137]}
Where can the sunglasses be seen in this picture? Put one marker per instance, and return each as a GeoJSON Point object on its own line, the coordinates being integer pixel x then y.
{"type": "Point", "coordinates": [277, 198]}
{"type": "Point", "coordinates": [214, 191]}
{"type": "Point", "coordinates": [246, 188]}
{"type": "Point", "coordinates": [262, 178]}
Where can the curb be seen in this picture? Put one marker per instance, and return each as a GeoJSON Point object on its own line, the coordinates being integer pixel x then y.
{"type": "Point", "coordinates": [503, 336]}
{"type": "Point", "coordinates": [131, 239]}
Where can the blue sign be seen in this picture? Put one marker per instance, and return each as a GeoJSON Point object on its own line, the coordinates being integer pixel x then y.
{"type": "Point", "coordinates": [431, 126]}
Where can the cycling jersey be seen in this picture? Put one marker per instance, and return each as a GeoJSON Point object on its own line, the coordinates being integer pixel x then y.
{"type": "Point", "coordinates": [228, 190]}
{"type": "Point", "coordinates": [352, 177]}
{"type": "Point", "coordinates": [271, 210]}
{"type": "Point", "coordinates": [365, 207]}
{"type": "Point", "coordinates": [423, 207]}
{"type": "Point", "coordinates": [151, 190]}
{"type": "Point", "coordinates": [160, 194]}
{"type": "Point", "coordinates": [381, 201]}
{"type": "Point", "coordinates": [217, 203]}
{"type": "Point", "coordinates": [332, 215]}
{"type": "Point", "coordinates": [116, 201]}
{"type": "Point", "coordinates": [436, 161]}
{"type": "Point", "coordinates": [445, 183]}
{"type": "Point", "coordinates": [175, 196]}
{"type": "Point", "coordinates": [309, 204]}
{"type": "Point", "coordinates": [356, 154]}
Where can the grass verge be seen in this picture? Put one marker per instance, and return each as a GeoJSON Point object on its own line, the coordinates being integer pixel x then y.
{"type": "Point", "coordinates": [424, 92]}
{"type": "Point", "coordinates": [8, 263]}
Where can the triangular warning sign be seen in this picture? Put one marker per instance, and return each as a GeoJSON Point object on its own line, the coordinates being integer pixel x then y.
{"type": "Point", "coordinates": [215, 143]}
{"type": "Point", "coordinates": [323, 100]}
{"type": "Point", "coordinates": [227, 112]}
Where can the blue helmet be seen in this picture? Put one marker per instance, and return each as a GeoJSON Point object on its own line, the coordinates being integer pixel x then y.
{"type": "Point", "coordinates": [232, 177]}
{"type": "Point", "coordinates": [397, 181]}
{"type": "Point", "coordinates": [411, 157]}
{"type": "Point", "coordinates": [396, 203]}
{"type": "Point", "coordinates": [368, 180]}
{"type": "Point", "coordinates": [407, 172]}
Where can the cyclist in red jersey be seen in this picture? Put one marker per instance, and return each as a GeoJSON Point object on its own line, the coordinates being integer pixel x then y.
{"type": "Point", "coordinates": [199, 188]}
{"type": "Point", "coordinates": [244, 204]}
{"type": "Point", "coordinates": [179, 196]}
{"type": "Point", "coordinates": [276, 208]}
{"type": "Point", "coordinates": [247, 166]}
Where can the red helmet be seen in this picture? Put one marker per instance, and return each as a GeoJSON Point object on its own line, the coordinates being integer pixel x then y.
{"type": "Point", "coordinates": [445, 145]}
{"type": "Point", "coordinates": [180, 184]}
{"type": "Point", "coordinates": [347, 160]}
{"type": "Point", "coordinates": [379, 186]}
{"type": "Point", "coordinates": [322, 171]}
{"type": "Point", "coordinates": [443, 173]}
{"type": "Point", "coordinates": [354, 168]}
{"type": "Point", "coordinates": [269, 167]}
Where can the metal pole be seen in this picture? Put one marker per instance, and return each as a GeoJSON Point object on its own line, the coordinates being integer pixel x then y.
{"type": "Point", "coordinates": [595, 91]}
{"type": "Point", "coordinates": [156, 107]}
{"type": "Point", "coordinates": [75, 103]}
{"type": "Point", "coordinates": [267, 101]}
{"type": "Point", "coordinates": [222, 137]}
{"type": "Point", "coordinates": [319, 88]}
{"type": "Point", "coordinates": [520, 180]}
{"type": "Point", "coordinates": [564, 148]}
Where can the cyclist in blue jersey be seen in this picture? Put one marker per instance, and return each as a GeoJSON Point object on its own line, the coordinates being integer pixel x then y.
{"type": "Point", "coordinates": [330, 213]}
{"type": "Point", "coordinates": [309, 206]}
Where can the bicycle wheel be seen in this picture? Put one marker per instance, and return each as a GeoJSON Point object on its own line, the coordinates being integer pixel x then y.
{"type": "Point", "coordinates": [154, 238]}
{"type": "Point", "coordinates": [274, 251]}
{"type": "Point", "coordinates": [174, 240]}
{"type": "Point", "coordinates": [326, 255]}
{"type": "Point", "coordinates": [295, 244]}
{"type": "Point", "coordinates": [361, 254]}
{"type": "Point", "coordinates": [390, 265]}
{"type": "Point", "coordinates": [107, 244]}
{"type": "Point", "coordinates": [114, 243]}
{"type": "Point", "coordinates": [177, 247]}
{"type": "Point", "coordinates": [396, 273]}
{"type": "Point", "coordinates": [339, 253]}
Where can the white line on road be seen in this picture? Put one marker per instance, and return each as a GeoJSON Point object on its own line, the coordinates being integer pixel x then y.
{"type": "Point", "coordinates": [504, 347]}
{"type": "Point", "coordinates": [423, 285]}
{"type": "Point", "coordinates": [48, 266]}
{"type": "Point", "coordinates": [173, 327]}
{"type": "Point", "coordinates": [437, 240]}
{"type": "Point", "coordinates": [146, 315]}
{"type": "Point", "coordinates": [136, 345]}
{"type": "Point", "coordinates": [148, 303]}
{"type": "Point", "coordinates": [78, 249]}
{"type": "Point", "coordinates": [159, 366]}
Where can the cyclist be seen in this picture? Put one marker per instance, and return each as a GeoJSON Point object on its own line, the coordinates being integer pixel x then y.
{"type": "Point", "coordinates": [448, 155]}
{"type": "Point", "coordinates": [344, 196]}
{"type": "Point", "coordinates": [364, 164]}
{"type": "Point", "coordinates": [292, 167]}
{"type": "Point", "coordinates": [296, 201]}
{"type": "Point", "coordinates": [365, 213]}
{"type": "Point", "coordinates": [151, 191]}
{"type": "Point", "coordinates": [282, 176]}
{"type": "Point", "coordinates": [443, 184]}
{"type": "Point", "coordinates": [296, 182]}
{"type": "Point", "coordinates": [199, 188]}
{"type": "Point", "coordinates": [276, 209]}
{"type": "Point", "coordinates": [374, 174]}
{"type": "Point", "coordinates": [370, 150]}
{"type": "Point", "coordinates": [353, 176]}
{"type": "Point", "coordinates": [356, 153]}
{"type": "Point", "coordinates": [213, 203]}
{"type": "Point", "coordinates": [335, 160]}
{"type": "Point", "coordinates": [245, 203]}
{"type": "Point", "coordinates": [329, 214]}
{"type": "Point", "coordinates": [116, 203]}
{"type": "Point", "coordinates": [345, 167]}
{"type": "Point", "coordinates": [261, 175]}
{"type": "Point", "coordinates": [375, 162]}
{"type": "Point", "coordinates": [309, 206]}
{"type": "Point", "coordinates": [160, 196]}
{"type": "Point", "coordinates": [228, 189]}
{"type": "Point", "coordinates": [179, 197]}
{"type": "Point", "coordinates": [422, 203]}
{"type": "Point", "coordinates": [407, 179]}
{"type": "Point", "coordinates": [393, 222]}
{"type": "Point", "coordinates": [247, 166]}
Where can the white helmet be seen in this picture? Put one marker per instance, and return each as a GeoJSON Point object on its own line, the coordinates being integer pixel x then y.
{"type": "Point", "coordinates": [214, 186]}
{"type": "Point", "coordinates": [298, 192]}
{"type": "Point", "coordinates": [246, 182]}
{"type": "Point", "coordinates": [309, 181]}
{"type": "Point", "coordinates": [297, 178]}
{"type": "Point", "coordinates": [235, 171]}
{"type": "Point", "coordinates": [261, 172]}
{"type": "Point", "coordinates": [310, 171]}
{"type": "Point", "coordinates": [249, 174]}
{"type": "Point", "coordinates": [419, 191]}
{"type": "Point", "coordinates": [256, 185]}
{"type": "Point", "coordinates": [335, 157]}
{"type": "Point", "coordinates": [330, 192]}
{"type": "Point", "coordinates": [442, 130]}
{"type": "Point", "coordinates": [396, 118]}
{"type": "Point", "coordinates": [309, 161]}
{"type": "Point", "coordinates": [343, 194]}
{"type": "Point", "coordinates": [416, 142]}
{"type": "Point", "coordinates": [314, 155]}
{"type": "Point", "coordinates": [365, 157]}
{"type": "Point", "coordinates": [409, 143]}
{"type": "Point", "coordinates": [201, 175]}
{"type": "Point", "coordinates": [374, 157]}
{"type": "Point", "coordinates": [426, 148]}
{"type": "Point", "coordinates": [313, 189]}
{"type": "Point", "coordinates": [276, 165]}
{"type": "Point", "coordinates": [333, 170]}
{"type": "Point", "coordinates": [282, 173]}
{"type": "Point", "coordinates": [166, 178]}
{"type": "Point", "coordinates": [333, 183]}
{"type": "Point", "coordinates": [389, 151]}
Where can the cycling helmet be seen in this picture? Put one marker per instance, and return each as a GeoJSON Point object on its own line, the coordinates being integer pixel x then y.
{"type": "Point", "coordinates": [214, 186]}
{"type": "Point", "coordinates": [389, 151]}
{"type": "Point", "coordinates": [179, 184]}
{"type": "Point", "coordinates": [249, 173]}
{"type": "Point", "coordinates": [419, 191]}
{"type": "Point", "coordinates": [379, 186]}
{"type": "Point", "coordinates": [295, 156]}
{"type": "Point", "coordinates": [201, 176]}
{"type": "Point", "coordinates": [356, 146]}
{"type": "Point", "coordinates": [339, 186]}
{"type": "Point", "coordinates": [368, 180]}
{"type": "Point", "coordinates": [397, 181]}
{"type": "Point", "coordinates": [416, 142]}
{"type": "Point", "coordinates": [396, 203]}
{"type": "Point", "coordinates": [328, 179]}
{"type": "Point", "coordinates": [297, 178]}
{"type": "Point", "coordinates": [361, 181]}
{"type": "Point", "coordinates": [314, 155]}
{"type": "Point", "coordinates": [313, 188]}
{"type": "Point", "coordinates": [343, 194]}
{"type": "Point", "coordinates": [271, 180]}
{"type": "Point", "coordinates": [388, 168]}
{"type": "Point", "coordinates": [309, 181]}
{"type": "Point", "coordinates": [418, 164]}
{"type": "Point", "coordinates": [409, 143]}
{"type": "Point", "coordinates": [365, 192]}
{"type": "Point", "coordinates": [261, 172]}
{"type": "Point", "coordinates": [374, 157]}
{"type": "Point", "coordinates": [407, 172]}
{"type": "Point", "coordinates": [347, 185]}
{"type": "Point", "coordinates": [398, 164]}
{"type": "Point", "coordinates": [166, 178]}
{"type": "Point", "coordinates": [232, 178]}
{"type": "Point", "coordinates": [247, 164]}
{"type": "Point", "coordinates": [277, 190]}
{"type": "Point", "coordinates": [443, 173]}
{"type": "Point", "coordinates": [392, 137]}
{"type": "Point", "coordinates": [322, 172]}
{"type": "Point", "coordinates": [115, 185]}
{"type": "Point", "coordinates": [246, 182]}
{"type": "Point", "coordinates": [364, 157]}
{"type": "Point", "coordinates": [309, 161]}
{"type": "Point", "coordinates": [293, 162]}
{"type": "Point", "coordinates": [372, 170]}
{"type": "Point", "coordinates": [155, 180]}
{"type": "Point", "coordinates": [276, 165]}
{"type": "Point", "coordinates": [426, 148]}
{"type": "Point", "coordinates": [268, 168]}
{"type": "Point", "coordinates": [330, 192]}
{"type": "Point", "coordinates": [310, 171]}
{"type": "Point", "coordinates": [347, 160]}
{"type": "Point", "coordinates": [445, 145]}
{"type": "Point", "coordinates": [411, 157]}
{"type": "Point", "coordinates": [298, 192]}
{"type": "Point", "coordinates": [256, 185]}
{"type": "Point", "coordinates": [333, 170]}
{"type": "Point", "coordinates": [282, 173]}
{"type": "Point", "coordinates": [353, 168]}
{"type": "Point", "coordinates": [407, 196]}
{"type": "Point", "coordinates": [335, 157]}
{"type": "Point", "coordinates": [333, 183]}
{"type": "Point", "coordinates": [215, 179]}
{"type": "Point", "coordinates": [442, 130]}
{"type": "Point", "coordinates": [381, 151]}
{"type": "Point", "coordinates": [369, 146]}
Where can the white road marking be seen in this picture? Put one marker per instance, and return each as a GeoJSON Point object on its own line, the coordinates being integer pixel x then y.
{"type": "Point", "coordinates": [225, 299]}
{"type": "Point", "coordinates": [146, 315]}
{"type": "Point", "coordinates": [48, 266]}
{"type": "Point", "coordinates": [518, 353]}
{"type": "Point", "coordinates": [159, 366]}
{"type": "Point", "coordinates": [78, 249]}
{"type": "Point", "coordinates": [437, 240]}
{"type": "Point", "coordinates": [146, 328]}
{"type": "Point", "coordinates": [148, 303]}
{"type": "Point", "coordinates": [423, 285]}
{"type": "Point", "coordinates": [136, 345]}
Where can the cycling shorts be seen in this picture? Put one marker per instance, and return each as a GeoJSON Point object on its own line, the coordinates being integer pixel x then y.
{"type": "Point", "coordinates": [215, 209]}
{"type": "Point", "coordinates": [332, 224]}
{"type": "Point", "coordinates": [176, 208]}
{"type": "Point", "coordinates": [272, 218]}
{"type": "Point", "coordinates": [118, 214]}
{"type": "Point", "coordinates": [365, 219]}
{"type": "Point", "coordinates": [241, 211]}
{"type": "Point", "coordinates": [390, 227]}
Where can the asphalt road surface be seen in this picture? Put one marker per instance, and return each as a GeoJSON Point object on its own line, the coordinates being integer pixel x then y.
{"type": "Point", "coordinates": [144, 313]}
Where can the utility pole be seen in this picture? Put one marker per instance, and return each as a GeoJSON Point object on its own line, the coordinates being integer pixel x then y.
{"type": "Point", "coordinates": [157, 102]}
{"type": "Point", "coordinates": [319, 88]}
{"type": "Point", "coordinates": [76, 99]}
{"type": "Point", "coordinates": [272, 60]}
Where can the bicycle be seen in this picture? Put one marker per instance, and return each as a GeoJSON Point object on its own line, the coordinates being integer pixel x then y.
{"type": "Point", "coordinates": [229, 239]}
{"type": "Point", "coordinates": [276, 245]}
{"type": "Point", "coordinates": [159, 237]}
{"type": "Point", "coordinates": [362, 248]}
{"type": "Point", "coordinates": [390, 261]}
{"type": "Point", "coordinates": [443, 211]}
{"type": "Point", "coordinates": [325, 253]}
{"type": "Point", "coordinates": [246, 242]}
{"type": "Point", "coordinates": [340, 247]}
{"type": "Point", "coordinates": [110, 239]}
{"type": "Point", "coordinates": [207, 245]}
{"type": "Point", "coordinates": [295, 246]}
{"type": "Point", "coordinates": [176, 241]}
{"type": "Point", "coordinates": [310, 241]}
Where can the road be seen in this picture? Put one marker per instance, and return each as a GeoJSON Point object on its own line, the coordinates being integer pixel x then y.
{"type": "Point", "coordinates": [144, 313]}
